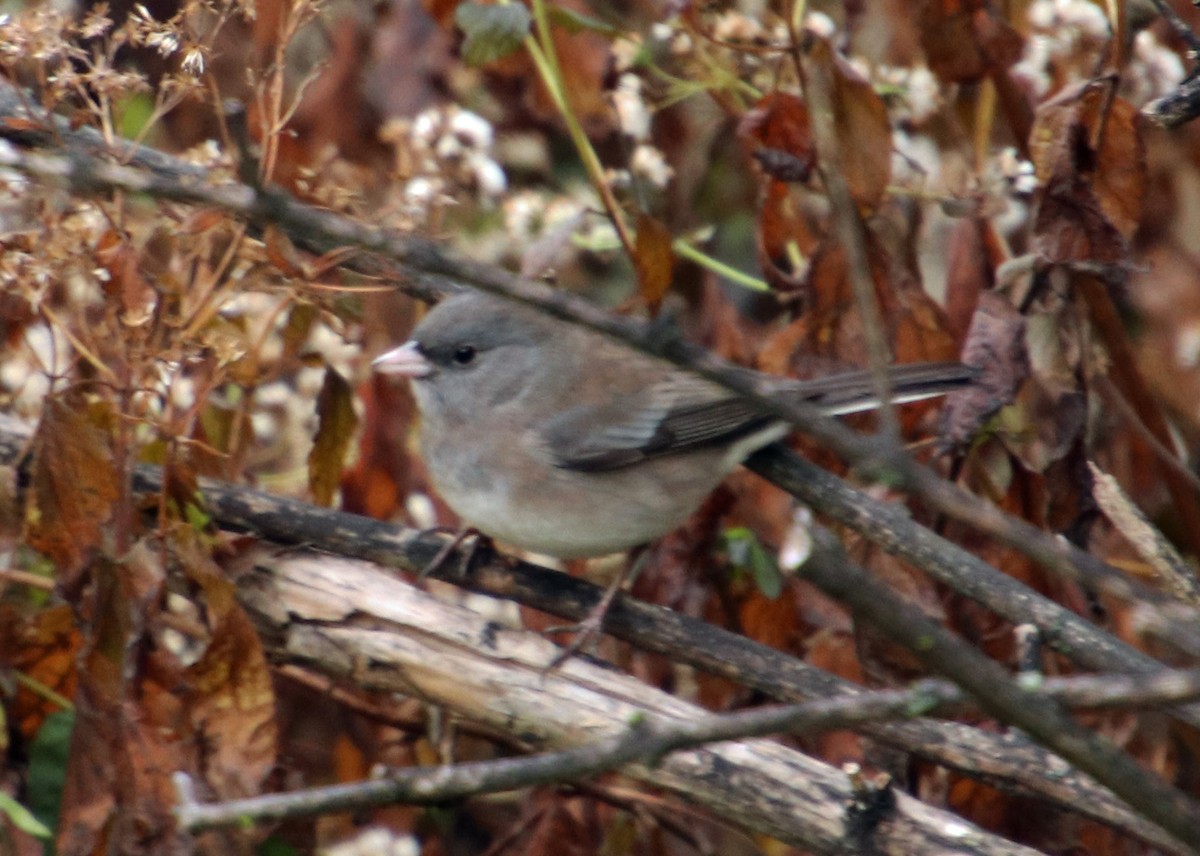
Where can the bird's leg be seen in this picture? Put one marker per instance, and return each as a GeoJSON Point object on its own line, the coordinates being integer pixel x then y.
{"type": "Point", "coordinates": [479, 542]}
{"type": "Point", "coordinates": [588, 630]}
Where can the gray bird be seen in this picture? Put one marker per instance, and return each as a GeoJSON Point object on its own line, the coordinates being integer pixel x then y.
{"type": "Point", "coordinates": [554, 439]}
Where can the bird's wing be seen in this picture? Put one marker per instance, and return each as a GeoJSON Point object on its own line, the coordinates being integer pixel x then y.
{"type": "Point", "coordinates": [682, 411]}
{"type": "Point", "coordinates": [677, 413]}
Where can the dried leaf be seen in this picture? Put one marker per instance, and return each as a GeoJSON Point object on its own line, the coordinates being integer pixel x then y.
{"type": "Point", "coordinates": [779, 126]}
{"type": "Point", "coordinates": [917, 328]}
{"type": "Point", "coordinates": [973, 253]}
{"type": "Point", "coordinates": [301, 318]}
{"type": "Point", "coordinates": [75, 483]}
{"type": "Point", "coordinates": [654, 260]}
{"type": "Point", "coordinates": [963, 40]}
{"type": "Point", "coordinates": [125, 281]}
{"type": "Point", "coordinates": [337, 424]}
{"type": "Point", "coordinates": [996, 346]}
{"type": "Point", "coordinates": [860, 129]}
{"type": "Point", "coordinates": [125, 744]}
{"type": "Point", "coordinates": [230, 700]}
{"type": "Point", "coordinates": [1091, 161]}
{"type": "Point", "coordinates": [43, 647]}
{"type": "Point", "coordinates": [282, 253]}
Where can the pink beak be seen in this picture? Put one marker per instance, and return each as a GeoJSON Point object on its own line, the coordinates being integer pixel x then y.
{"type": "Point", "coordinates": [404, 361]}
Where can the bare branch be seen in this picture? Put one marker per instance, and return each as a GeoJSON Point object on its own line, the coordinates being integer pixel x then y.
{"type": "Point", "coordinates": [989, 683]}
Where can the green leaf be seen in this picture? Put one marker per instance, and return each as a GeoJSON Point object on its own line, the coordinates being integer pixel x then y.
{"type": "Point", "coordinates": [22, 817]}
{"type": "Point", "coordinates": [48, 767]}
{"type": "Point", "coordinates": [492, 31]}
{"type": "Point", "coordinates": [575, 22]}
{"type": "Point", "coordinates": [747, 554]}
{"type": "Point", "coordinates": [275, 846]}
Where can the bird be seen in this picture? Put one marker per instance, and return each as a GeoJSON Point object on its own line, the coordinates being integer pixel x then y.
{"type": "Point", "coordinates": [557, 440]}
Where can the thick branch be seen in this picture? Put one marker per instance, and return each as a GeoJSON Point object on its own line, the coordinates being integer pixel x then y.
{"type": "Point", "coordinates": [385, 635]}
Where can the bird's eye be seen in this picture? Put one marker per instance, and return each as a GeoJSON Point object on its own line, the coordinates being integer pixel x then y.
{"type": "Point", "coordinates": [464, 355]}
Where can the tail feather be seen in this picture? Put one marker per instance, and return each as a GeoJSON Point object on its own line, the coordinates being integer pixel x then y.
{"type": "Point", "coordinates": [854, 392]}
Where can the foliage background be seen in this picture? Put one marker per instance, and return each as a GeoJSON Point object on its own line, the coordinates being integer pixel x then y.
{"type": "Point", "coordinates": [643, 154]}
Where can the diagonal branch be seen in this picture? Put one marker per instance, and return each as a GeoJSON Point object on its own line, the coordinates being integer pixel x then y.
{"type": "Point", "coordinates": [431, 269]}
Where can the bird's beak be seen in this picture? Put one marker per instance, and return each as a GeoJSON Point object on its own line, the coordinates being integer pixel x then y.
{"type": "Point", "coordinates": [405, 361]}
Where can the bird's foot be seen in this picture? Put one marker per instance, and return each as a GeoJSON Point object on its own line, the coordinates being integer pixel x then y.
{"type": "Point", "coordinates": [480, 546]}
{"type": "Point", "coordinates": [586, 631]}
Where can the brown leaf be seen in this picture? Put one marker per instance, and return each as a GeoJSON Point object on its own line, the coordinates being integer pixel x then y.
{"type": "Point", "coordinates": [230, 702]}
{"type": "Point", "coordinates": [557, 831]}
{"type": "Point", "coordinates": [973, 253]}
{"type": "Point", "coordinates": [964, 40]}
{"type": "Point", "coordinates": [41, 646]}
{"type": "Point", "coordinates": [75, 483]}
{"type": "Point", "coordinates": [281, 252]}
{"type": "Point", "coordinates": [830, 331]}
{"type": "Point", "coordinates": [778, 134]}
{"type": "Point", "coordinates": [201, 220]}
{"type": "Point", "coordinates": [654, 260]}
{"type": "Point", "coordinates": [996, 346]}
{"type": "Point", "coordinates": [1091, 161]}
{"type": "Point", "coordinates": [782, 225]}
{"type": "Point", "coordinates": [118, 795]}
{"type": "Point", "coordinates": [779, 123]}
{"type": "Point", "coordinates": [301, 318]}
{"type": "Point", "coordinates": [771, 621]}
{"type": "Point", "coordinates": [125, 281]}
{"type": "Point", "coordinates": [337, 424]}
{"type": "Point", "coordinates": [861, 129]}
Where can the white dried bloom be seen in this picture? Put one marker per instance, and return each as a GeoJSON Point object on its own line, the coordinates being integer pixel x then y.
{"type": "Point", "coordinates": [617, 179]}
{"type": "Point", "coordinates": [649, 163]}
{"type": "Point", "coordinates": [923, 94]}
{"type": "Point", "coordinates": [820, 24]}
{"type": "Point", "coordinates": [165, 42]}
{"type": "Point", "coordinates": [681, 44]}
{"type": "Point", "coordinates": [1154, 71]}
{"type": "Point", "coordinates": [427, 126]}
{"type": "Point", "coordinates": [422, 190]}
{"type": "Point", "coordinates": [633, 116]}
{"type": "Point", "coordinates": [1020, 173]}
{"type": "Point", "coordinates": [95, 23]}
{"type": "Point", "coordinates": [471, 129]}
{"type": "Point", "coordinates": [490, 180]}
{"type": "Point", "coordinates": [625, 52]}
{"type": "Point", "coordinates": [193, 62]}
{"type": "Point", "coordinates": [1187, 346]}
{"type": "Point", "coordinates": [522, 214]}
{"type": "Point", "coordinates": [448, 147]}
{"type": "Point", "coordinates": [1034, 64]}
{"type": "Point", "coordinates": [737, 27]}
{"type": "Point", "coordinates": [662, 32]}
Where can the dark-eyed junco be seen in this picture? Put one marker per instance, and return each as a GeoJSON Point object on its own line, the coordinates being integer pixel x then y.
{"type": "Point", "coordinates": [554, 439]}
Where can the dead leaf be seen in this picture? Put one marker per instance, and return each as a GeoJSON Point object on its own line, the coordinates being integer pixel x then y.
{"type": "Point", "coordinates": [337, 424]}
{"type": "Point", "coordinates": [964, 40]}
{"type": "Point", "coordinates": [41, 646]}
{"type": "Point", "coordinates": [1091, 161]}
{"type": "Point", "coordinates": [830, 334]}
{"type": "Point", "coordinates": [996, 346]}
{"type": "Point", "coordinates": [230, 700]}
{"type": "Point", "coordinates": [75, 484]}
{"type": "Point", "coordinates": [861, 132]}
{"type": "Point", "coordinates": [654, 260]}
